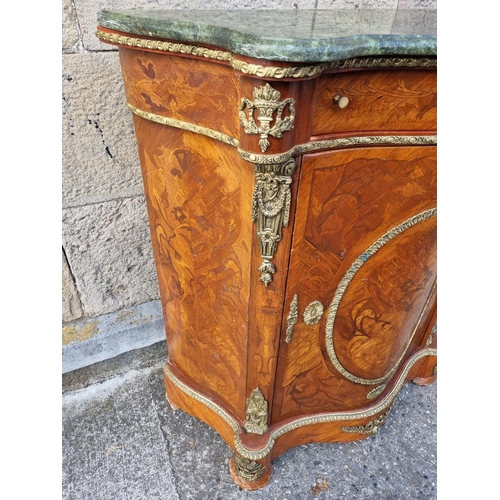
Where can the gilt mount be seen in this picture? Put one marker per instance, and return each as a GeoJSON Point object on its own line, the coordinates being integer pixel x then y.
{"type": "Point", "coordinates": [256, 415]}
{"type": "Point", "coordinates": [313, 313]}
{"type": "Point", "coordinates": [271, 210]}
{"type": "Point", "coordinates": [248, 469]}
{"type": "Point", "coordinates": [372, 427]}
{"type": "Point", "coordinates": [267, 102]}
{"type": "Point", "coordinates": [292, 319]}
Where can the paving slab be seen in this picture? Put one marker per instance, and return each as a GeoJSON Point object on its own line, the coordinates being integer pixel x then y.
{"type": "Point", "coordinates": [121, 440]}
{"type": "Point", "coordinates": [113, 447]}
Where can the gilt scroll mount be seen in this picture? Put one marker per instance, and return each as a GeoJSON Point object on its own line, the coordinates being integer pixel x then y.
{"type": "Point", "coordinates": [372, 427]}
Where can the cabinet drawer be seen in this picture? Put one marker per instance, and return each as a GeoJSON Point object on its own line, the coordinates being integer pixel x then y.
{"type": "Point", "coordinates": [385, 100]}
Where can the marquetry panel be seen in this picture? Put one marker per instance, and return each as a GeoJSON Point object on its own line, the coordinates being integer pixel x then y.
{"type": "Point", "coordinates": [373, 322]}
{"type": "Point", "coordinates": [187, 89]}
{"type": "Point", "coordinates": [392, 100]}
{"type": "Point", "coordinates": [347, 201]}
{"type": "Point", "coordinates": [195, 189]}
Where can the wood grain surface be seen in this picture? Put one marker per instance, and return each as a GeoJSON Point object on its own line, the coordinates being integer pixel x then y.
{"type": "Point", "coordinates": [347, 200]}
{"type": "Point", "coordinates": [186, 89]}
{"type": "Point", "coordinates": [195, 188]}
{"type": "Point", "coordinates": [393, 99]}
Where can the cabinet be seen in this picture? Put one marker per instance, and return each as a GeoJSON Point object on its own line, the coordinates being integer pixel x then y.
{"type": "Point", "coordinates": [291, 193]}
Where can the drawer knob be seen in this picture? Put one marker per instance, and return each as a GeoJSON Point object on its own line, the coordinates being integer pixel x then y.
{"type": "Point", "coordinates": [341, 101]}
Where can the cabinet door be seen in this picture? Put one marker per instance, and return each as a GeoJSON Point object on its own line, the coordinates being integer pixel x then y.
{"type": "Point", "coordinates": [362, 276]}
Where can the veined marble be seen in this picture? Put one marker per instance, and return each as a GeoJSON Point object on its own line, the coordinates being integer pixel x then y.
{"type": "Point", "coordinates": [288, 35]}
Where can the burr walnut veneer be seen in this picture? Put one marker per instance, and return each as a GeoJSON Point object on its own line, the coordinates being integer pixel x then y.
{"type": "Point", "coordinates": [292, 204]}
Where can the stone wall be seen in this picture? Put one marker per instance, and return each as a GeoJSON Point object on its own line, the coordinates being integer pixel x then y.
{"type": "Point", "coordinates": [110, 298]}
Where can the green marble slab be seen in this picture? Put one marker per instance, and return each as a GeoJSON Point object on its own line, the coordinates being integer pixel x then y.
{"type": "Point", "coordinates": [288, 35]}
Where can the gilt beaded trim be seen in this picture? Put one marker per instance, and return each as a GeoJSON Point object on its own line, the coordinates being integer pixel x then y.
{"type": "Point", "coordinates": [386, 402]}
{"type": "Point", "coordinates": [275, 72]}
{"type": "Point", "coordinates": [190, 127]}
{"type": "Point", "coordinates": [262, 159]}
{"type": "Point", "coordinates": [346, 280]}
{"type": "Point", "coordinates": [371, 140]}
{"type": "Point", "coordinates": [172, 47]}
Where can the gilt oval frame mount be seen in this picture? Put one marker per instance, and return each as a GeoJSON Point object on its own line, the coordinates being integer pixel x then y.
{"type": "Point", "coordinates": [343, 285]}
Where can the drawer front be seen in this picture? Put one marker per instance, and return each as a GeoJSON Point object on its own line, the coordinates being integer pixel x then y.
{"type": "Point", "coordinates": [385, 100]}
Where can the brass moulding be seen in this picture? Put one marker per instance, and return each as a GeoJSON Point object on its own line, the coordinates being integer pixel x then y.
{"type": "Point", "coordinates": [202, 399]}
{"type": "Point", "coordinates": [279, 73]}
{"type": "Point", "coordinates": [376, 392]}
{"type": "Point", "coordinates": [266, 102]}
{"type": "Point", "coordinates": [372, 427]}
{"type": "Point", "coordinates": [368, 140]}
{"type": "Point", "coordinates": [190, 127]}
{"type": "Point", "coordinates": [313, 313]}
{"type": "Point", "coordinates": [385, 403]}
{"type": "Point", "coordinates": [346, 280]}
{"type": "Point", "coordinates": [262, 159]}
{"type": "Point", "coordinates": [172, 47]}
{"type": "Point", "coordinates": [247, 469]}
{"type": "Point", "coordinates": [292, 319]}
{"type": "Point", "coordinates": [256, 414]}
{"type": "Point", "coordinates": [259, 71]}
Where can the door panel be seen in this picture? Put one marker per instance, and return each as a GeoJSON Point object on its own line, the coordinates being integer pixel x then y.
{"type": "Point", "coordinates": [364, 248]}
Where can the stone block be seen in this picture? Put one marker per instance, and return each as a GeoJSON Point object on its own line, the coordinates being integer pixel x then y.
{"type": "Point", "coordinates": [108, 247]}
{"type": "Point", "coordinates": [69, 29]}
{"type": "Point", "coordinates": [71, 307]}
{"type": "Point", "coordinates": [417, 4]}
{"type": "Point", "coordinates": [357, 4]}
{"type": "Point", "coordinates": [87, 11]}
{"type": "Point", "coordinates": [90, 340]}
{"type": "Point", "coordinates": [381, 13]}
{"type": "Point", "coordinates": [422, 21]}
{"type": "Point", "coordinates": [100, 158]}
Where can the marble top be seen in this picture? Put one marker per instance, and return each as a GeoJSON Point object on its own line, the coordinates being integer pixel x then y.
{"type": "Point", "coordinates": [288, 35]}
